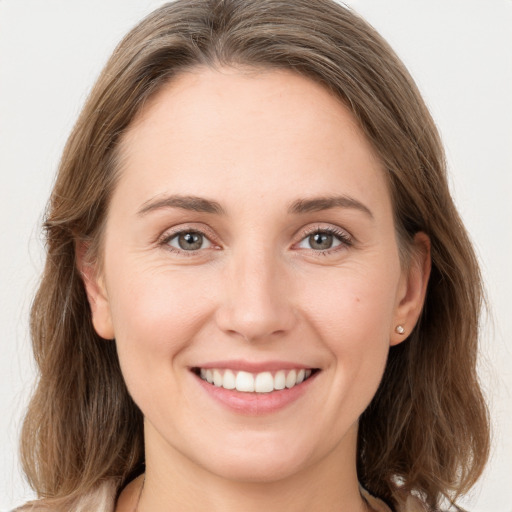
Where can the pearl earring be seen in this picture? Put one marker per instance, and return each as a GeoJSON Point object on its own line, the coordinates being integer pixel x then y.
{"type": "Point", "coordinates": [399, 329]}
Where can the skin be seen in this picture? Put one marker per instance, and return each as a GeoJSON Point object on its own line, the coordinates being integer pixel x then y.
{"type": "Point", "coordinates": [254, 142]}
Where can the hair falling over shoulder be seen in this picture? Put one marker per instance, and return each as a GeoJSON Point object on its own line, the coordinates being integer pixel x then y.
{"type": "Point", "coordinates": [426, 431]}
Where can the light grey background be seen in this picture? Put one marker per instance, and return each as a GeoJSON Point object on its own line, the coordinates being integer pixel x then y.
{"type": "Point", "coordinates": [460, 53]}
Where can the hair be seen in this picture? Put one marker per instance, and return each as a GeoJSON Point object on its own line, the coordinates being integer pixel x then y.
{"type": "Point", "coordinates": [426, 432]}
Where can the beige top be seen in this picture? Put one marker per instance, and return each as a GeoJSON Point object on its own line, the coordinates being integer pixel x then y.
{"type": "Point", "coordinates": [411, 504]}
{"type": "Point", "coordinates": [103, 500]}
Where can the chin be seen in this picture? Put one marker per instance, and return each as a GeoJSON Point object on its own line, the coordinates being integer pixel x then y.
{"type": "Point", "coordinates": [259, 459]}
{"type": "Point", "coordinates": [251, 469]}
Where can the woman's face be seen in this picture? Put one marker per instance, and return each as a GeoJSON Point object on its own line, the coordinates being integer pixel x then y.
{"type": "Point", "coordinates": [250, 240]}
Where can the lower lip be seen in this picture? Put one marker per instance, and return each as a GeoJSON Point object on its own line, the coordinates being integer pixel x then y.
{"type": "Point", "coordinates": [256, 404]}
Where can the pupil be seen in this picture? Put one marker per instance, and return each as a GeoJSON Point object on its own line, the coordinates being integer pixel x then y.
{"type": "Point", "coordinates": [320, 241]}
{"type": "Point", "coordinates": [190, 241]}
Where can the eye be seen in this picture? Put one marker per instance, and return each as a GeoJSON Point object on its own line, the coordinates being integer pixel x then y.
{"type": "Point", "coordinates": [324, 240]}
{"type": "Point", "coordinates": [188, 241]}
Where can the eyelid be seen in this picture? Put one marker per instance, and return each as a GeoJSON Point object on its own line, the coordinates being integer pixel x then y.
{"type": "Point", "coordinates": [176, 237]}
{"type": "Point", "coordinates": [346, 239]}
{"type": "Point", "coordinates": [170, 233]}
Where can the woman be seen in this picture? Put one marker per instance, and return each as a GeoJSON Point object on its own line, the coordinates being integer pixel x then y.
{"type": "Point", "coordinates": [258, 292]}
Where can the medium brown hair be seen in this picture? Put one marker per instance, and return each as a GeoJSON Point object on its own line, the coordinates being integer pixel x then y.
{"type": "Point", "coordinates": [426, 431]}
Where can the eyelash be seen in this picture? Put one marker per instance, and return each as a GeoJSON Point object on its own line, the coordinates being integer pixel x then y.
{"type": "Point", "coordinates": [343, 237]}
{"type": "Point", "coordinates": [165, 240]}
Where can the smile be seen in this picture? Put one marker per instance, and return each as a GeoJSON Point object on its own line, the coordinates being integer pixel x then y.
{"type": "Point", "coordinates": [262, 382]}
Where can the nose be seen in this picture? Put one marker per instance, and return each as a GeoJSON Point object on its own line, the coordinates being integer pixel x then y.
{"type": "Point", "coordinates": [257, 303]}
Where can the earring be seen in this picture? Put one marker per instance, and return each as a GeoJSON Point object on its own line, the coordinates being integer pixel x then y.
{"type": "Point", "coordinates": [399, 329]}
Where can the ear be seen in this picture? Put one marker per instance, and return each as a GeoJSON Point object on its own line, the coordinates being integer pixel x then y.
{"type": "Point", "coordinates": [412, 289]}
{"type": "Point", "coordinates": [96, 293]}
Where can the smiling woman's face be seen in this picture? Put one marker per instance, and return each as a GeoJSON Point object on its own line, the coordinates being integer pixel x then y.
{"type": "Point", "coordinates": [251, 237]}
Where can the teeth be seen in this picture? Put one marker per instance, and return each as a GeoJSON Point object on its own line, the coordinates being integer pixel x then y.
{"type": "Point", "coordinates": [280, 380]}
{"type": "Point", "coordinates": [264, 382]}
{"type": "Point", "coordinates": [217, 378]}
{"type": "Point", "coordinates": [229, 381]}
{"type": "Point", "coordinates": [244, 382]}
{"type": "Point", "coordinates": [291, 379]}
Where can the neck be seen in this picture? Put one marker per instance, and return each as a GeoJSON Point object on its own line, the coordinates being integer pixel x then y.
{"type": "Point", "coordinates": [173, 482]}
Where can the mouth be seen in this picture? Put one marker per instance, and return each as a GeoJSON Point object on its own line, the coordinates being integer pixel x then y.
{"type": "Point", "coordinates": [261, 382]}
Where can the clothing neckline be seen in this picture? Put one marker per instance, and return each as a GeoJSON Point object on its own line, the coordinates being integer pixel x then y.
{"type": "Point", "coordinates": [376, 504]}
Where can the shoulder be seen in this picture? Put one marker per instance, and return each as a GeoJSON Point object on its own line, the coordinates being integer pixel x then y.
{"type": "Point", "coordinates": [408, 504]}
{"type": "Point", "coordinates": [412, 504]}
{"type": "Point", "coordinates": [101, 499]}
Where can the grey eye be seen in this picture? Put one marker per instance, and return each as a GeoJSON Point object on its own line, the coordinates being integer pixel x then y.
{"type": "Point", "coordinates": [320, 241]}
{"type": "Point", "coordinates": [189, 241]}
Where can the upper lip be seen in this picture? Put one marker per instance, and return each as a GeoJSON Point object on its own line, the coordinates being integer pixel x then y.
{"type": "Point", "coordinates": [253, 366]}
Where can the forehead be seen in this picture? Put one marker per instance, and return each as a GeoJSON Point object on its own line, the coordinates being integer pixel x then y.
{"type": "Point", "coordinates": [251, 130]}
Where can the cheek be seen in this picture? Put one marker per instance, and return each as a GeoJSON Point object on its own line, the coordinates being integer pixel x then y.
{"type": "Point", "coordinates": [359, 301]}
{"type": "Point", "coordinates": [155, 315]}
{"type": "Point", "coordinates": [352, 316]}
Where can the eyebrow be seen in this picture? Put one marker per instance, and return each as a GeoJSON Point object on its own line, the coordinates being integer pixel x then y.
{"type": "Point", "coordinates": [192, 203]}
{"type": "Point", "coordinates": [300, 206]}
{"type": "Point", "coordinates": [317, 204]}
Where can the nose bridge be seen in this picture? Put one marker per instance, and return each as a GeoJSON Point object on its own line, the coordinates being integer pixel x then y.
{"type": "Point", "coordinates": [256, 305]}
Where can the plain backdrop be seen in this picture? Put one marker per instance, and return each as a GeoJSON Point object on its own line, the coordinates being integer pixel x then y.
{"type": "Point", "coordinates": [459, 52]}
